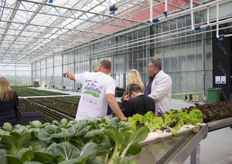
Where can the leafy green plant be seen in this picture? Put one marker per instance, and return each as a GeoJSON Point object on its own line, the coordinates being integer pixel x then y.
{"type": "Point", "coordinates": [48, 115]}
{"type": "Point", "coordinates": [215, 111]}
{"type": "Point", "coordinates": [26, 91]}
{"type": "Point", "coordinates": [173, 120]}
{"type": "Point", "coordinates": [13, 138]}
{"type": "Point", "coordinates": [87, 141]}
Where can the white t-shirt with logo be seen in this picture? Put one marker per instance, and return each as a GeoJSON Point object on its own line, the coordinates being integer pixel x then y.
{"type": "Point", "coordinates": [95, 87]}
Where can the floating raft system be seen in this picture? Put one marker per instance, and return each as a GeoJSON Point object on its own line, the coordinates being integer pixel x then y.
{"type": "Point", "coordinates": [163, 148]}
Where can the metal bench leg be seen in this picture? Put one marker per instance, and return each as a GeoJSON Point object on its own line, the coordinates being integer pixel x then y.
{"type": "Point", "coordinates": [195, 156]}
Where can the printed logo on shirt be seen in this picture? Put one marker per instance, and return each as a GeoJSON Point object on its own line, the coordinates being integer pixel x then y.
{"type": "Point", "coordinates": [92, 89]}
{"type": "Point", "coordinates": [89, 100]}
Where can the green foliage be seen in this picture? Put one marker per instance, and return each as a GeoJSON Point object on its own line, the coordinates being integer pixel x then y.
{"type": "Point", "coordinates": [14, 137]}
{"type": "Point", "coordinates": [26, 91]}
{"type": "Point", "coordinates": [173, 120]}
{"type": "Point", "coordinates": [195, 116]}
{"type": "Point", "coordinates": [86, 141]}
{"type": "Point", "coordinates": [124, 138]}
{"type": "Point", "coordinates": [215, 111]}
{"type": "Point", "coordinates": [49, 116]}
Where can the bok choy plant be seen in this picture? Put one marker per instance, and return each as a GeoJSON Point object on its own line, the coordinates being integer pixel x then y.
{"type": "Point", "coordinates": [105, 141]}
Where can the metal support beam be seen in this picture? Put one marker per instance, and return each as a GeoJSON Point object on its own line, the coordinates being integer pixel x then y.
{"type": "Point", "coordinates": [195, 156]}
{"type": "Point", "coordinates": [217, 32]}
{"type": "Point", "coordinates": [166, 6]}
{"type": "Point", "coordinates": [90, 12]}
{"type": "Point", "coordinates": [197, 8]}
{"type": "Point", "coordinates": [151, 10]}
{"type": "Point", "coordinates": [192, 16]}
{"type": "Point", "coordinates": [11, 18]}
{"type": "Point", "coordinates": [56, 27]}
{"type": "Point", "coordinates": [203, 64]}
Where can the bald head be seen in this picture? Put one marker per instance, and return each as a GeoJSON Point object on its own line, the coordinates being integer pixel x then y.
{"type": "Point", "coordinates": [105, 66]}
{"type": "Point", "coordinates": [106, 63]}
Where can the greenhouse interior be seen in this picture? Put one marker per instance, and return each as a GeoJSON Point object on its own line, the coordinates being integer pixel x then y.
{"type": "Point", "coordinates": [49, 50]}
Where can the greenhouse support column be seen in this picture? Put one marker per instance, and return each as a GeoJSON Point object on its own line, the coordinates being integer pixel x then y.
{"type": "Point", "coordinates": [74, 59]}
{"type": "Point", "coordinates": [203, 63]}
{"type": "Point", "coordinates": [112, 65]}
{"type": "Point", "coordinates": [32, 74]}
{"type": "Point", "coordinates": [15, 74]}
{"type": "Point", "coordinates": [46, 68]}
{"type": "Point", "coordinates": [195, 156]}
{"type": "Point", "coordinates": [90, 63]}
{"type": "Point", "coordinates": [147, 51]}
{"type": "Point", "coordinates": [124, 71]}
{"type": "Point", "coordinates": [40, 80]}
{"type": "Point", "coordinates": [53, 71]}
{"type": "Point", "coordinates": [62, 70]}
{"type": "Point", "coordinates": [112, 62]}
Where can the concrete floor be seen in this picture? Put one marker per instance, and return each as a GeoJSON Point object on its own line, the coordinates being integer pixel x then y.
{"type": "Point", "coordinates": [216, 148]}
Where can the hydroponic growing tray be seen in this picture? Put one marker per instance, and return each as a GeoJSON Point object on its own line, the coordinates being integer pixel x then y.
{"type": "Point", "coordinates": [176, 149]}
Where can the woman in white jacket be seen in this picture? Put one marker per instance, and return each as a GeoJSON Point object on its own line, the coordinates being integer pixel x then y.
{"type": "Point", "coordinates": [159, 87]}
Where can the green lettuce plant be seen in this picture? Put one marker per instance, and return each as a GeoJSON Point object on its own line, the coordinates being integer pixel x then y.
{"type": "Point", "coordinates": [173, 120]}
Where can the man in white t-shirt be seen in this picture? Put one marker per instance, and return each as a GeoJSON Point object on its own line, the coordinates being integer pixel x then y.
{"type": "Point", "coordinates": [98, 90]}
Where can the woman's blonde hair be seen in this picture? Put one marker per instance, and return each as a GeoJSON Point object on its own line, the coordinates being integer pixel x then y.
{"type": "Point", "coordinates": [134, 78]}
{"type": "Point", "coordinates": [6, 93]}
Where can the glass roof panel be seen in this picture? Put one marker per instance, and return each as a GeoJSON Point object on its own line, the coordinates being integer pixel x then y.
{"type": "Point", "coordinates": [32, 27]}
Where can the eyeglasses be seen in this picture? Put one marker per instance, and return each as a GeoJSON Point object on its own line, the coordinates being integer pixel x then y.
{"type": "Point", "coordinates": [149, 66]}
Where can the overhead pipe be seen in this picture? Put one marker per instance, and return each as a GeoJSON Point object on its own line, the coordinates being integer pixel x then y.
{"type": "Point", "coordinates": [228, 35]}
{"type": "Point", "coordinates": [197, 8]}
{"type": "Point", "coordinates": [151, 10]}
{"type": "Point", "coordinates": [114, 49]}
{"type": "Point", "coordinates": [166, 5]}
{"type": "Point", "coordinates": [192, 17]}
{"type": "Point", "coordinates": [141, 40]}
{"type": "Point", "coordinates": [166, 8]}
{"type": "Point", "coordinates": [109, 3]}
{"type": "Point", "coordinates": [124, 3]}
{"type": "Point", "coordinates": [172, 16]}
{"type": "Point", "coordinates": [217, 23]}
{"type": "Point", "coordinates": [208, 28]}
{"type": "Point", "coordinates": [152, 36]}
{"type": "Point", "coordinates": [161, 19]}
{"type": "Point", "coordinates": [217, 31]}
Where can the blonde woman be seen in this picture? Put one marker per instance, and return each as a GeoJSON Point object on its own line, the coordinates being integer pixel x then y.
{"type": "Point", "coordinates": [8, 103]}
{"type": "Point", "coordinates": [133, 78]}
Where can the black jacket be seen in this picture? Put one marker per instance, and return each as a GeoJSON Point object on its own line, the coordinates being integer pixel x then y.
{"type": "Point", "coordinates": [7, 111]}
{"type": "Point", "coordinates": [138, 105]}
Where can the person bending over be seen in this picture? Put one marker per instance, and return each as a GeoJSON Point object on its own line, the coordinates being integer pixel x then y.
{"type": "Point", "coordinates": [133, 78]}
{"type": "Point", "coordinates": [136, 102]}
